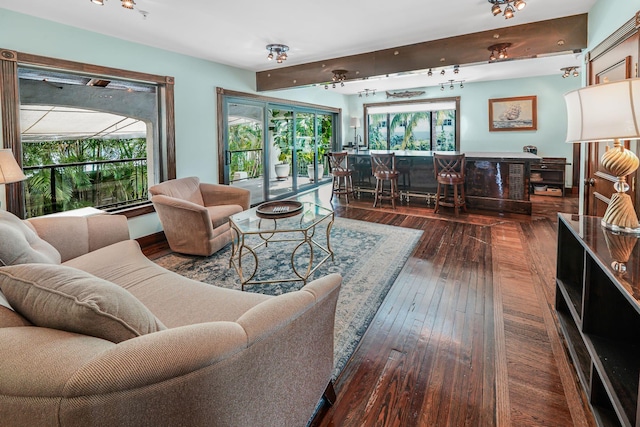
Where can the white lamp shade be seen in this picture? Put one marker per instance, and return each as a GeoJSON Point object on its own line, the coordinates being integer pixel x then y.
{"type": "Point", "coordinates": [355, 122]}
{"type": "Point", "coordinates": [604, 112]}
{"type": "Point", "coordinates": [9, 169]}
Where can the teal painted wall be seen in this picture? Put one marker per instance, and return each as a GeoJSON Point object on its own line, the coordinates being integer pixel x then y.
{"type": "Point", "coordinates": [474, 111]}
{"type": "Point", "coordinates": [606, 16]}
{"type": "Point", "coordinates": [195, 80]}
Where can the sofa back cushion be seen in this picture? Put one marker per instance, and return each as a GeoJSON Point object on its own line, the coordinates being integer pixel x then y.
{"type": "Point", "coordinates": [65, 298]}
{"type": "Point", "coordinates": [19, 243]}
{"type": "Point", "coordinates": [181, 188]}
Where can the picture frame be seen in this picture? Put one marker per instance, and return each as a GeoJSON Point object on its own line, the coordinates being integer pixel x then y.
{"type": "Point", "coordinates": [513, 114]}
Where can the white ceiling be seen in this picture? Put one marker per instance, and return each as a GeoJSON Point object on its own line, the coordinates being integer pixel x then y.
{"type": "Point", "coordinates": [236, 32]}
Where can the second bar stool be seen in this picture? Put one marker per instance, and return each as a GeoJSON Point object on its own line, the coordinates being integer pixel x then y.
{"type": "Point", "coordinates": [449, 170]}
{"type": "Point", "coordinates": [339, 168]}
{"type": "Point", "coordinates": [383, 167]}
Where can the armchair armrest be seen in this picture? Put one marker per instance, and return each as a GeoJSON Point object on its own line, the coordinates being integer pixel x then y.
{"type": "Point", "coordinates": [75, 236]}
{"type": "Point", "coordinates": [186, 225]}
{"type": "Point", "coordinates": [217, 194]}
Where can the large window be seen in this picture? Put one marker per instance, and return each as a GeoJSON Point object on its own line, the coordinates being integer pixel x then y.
{"type": "Point", "coordinates": [97, 140]}
{"type": "Point", "coordinates": [90, 154]}
{"type": "Point", "coordinates": [424, 125]}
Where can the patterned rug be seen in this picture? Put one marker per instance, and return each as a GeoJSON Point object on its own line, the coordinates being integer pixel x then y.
{"type": "Point", "coordinates": [369, 256]}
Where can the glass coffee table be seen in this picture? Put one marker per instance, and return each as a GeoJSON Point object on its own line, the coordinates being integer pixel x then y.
{"type": "Point", "coordinates": [262, 229]}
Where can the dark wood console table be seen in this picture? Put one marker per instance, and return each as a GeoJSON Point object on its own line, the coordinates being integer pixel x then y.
{"type": "Point", "coordinates": [598, 308]}
{"type": "Point", "coordinates": [497, 181]}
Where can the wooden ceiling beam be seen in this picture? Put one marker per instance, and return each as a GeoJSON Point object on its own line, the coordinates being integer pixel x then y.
{"type": "Point", "coordinates": [527, 41]}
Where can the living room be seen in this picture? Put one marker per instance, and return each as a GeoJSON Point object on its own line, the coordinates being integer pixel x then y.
{"type": "Point", "coordinates": [197, 154]}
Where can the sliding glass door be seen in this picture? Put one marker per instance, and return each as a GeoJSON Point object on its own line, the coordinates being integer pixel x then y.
{"type": "Point", "coordinates": [275, 150]}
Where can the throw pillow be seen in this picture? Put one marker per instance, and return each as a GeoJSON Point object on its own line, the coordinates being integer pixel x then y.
{"type": "Point", "coordinates": [61, 297]}
{"type": "Point", "coordinates": [19, 244]}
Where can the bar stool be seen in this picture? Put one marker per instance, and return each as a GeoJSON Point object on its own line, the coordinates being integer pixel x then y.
{"type": "Point", "coordinates": [383, 167]}
{"type": "Point", "coordinates": [339, 169]}
{"type": "Point", "coordinates": [449, 171]}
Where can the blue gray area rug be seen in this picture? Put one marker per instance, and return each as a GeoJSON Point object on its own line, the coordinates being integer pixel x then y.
{"type": "Point", "coordinates": [368, 255]}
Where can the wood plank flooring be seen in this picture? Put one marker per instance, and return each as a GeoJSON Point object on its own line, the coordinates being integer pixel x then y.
{"type": "Point", "coordinates": [467, 334]}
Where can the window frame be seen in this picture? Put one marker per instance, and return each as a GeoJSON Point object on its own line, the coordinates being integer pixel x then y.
{"type": "Point", "coordinates": [10, 116]}
{"type": "Point", "coordinates": [456, 99]}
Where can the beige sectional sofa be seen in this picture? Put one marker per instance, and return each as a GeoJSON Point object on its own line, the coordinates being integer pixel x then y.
{"type": "Point", "coordinates": [92, 333]}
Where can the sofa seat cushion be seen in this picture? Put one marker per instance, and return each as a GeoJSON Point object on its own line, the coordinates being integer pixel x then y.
{"type": "Point", "coordinates": [174, 299]}
{"type": "Point", "coordinates": [65, 298]}
{"type": "Point", "coordinates": [220, 214]}
{"type": "Point", "coordinates": [20, 244]}
{"type": "Point", "coordinates": [9, 318]}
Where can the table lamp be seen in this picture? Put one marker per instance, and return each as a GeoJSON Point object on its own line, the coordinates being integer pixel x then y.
{"type": "Point", "coordinates": [610, 112]}
{"type": "Point", "coordinates": [9, 170]}
{"type": "Point", "coordinates": [355, 124]}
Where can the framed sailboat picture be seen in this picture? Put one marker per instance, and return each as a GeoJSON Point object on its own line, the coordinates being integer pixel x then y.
{"type": "Point", "coordinates": [513, 114]}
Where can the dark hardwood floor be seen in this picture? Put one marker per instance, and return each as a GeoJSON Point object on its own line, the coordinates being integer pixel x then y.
{"type": "Point", "coordinates": [467, 334]}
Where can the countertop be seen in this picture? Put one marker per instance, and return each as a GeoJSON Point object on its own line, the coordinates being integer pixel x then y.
{"type": "Point", "coordinates": [471, 155]}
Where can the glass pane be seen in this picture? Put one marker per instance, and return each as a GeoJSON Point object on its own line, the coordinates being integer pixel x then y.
{"type": "Point", "coordinates": [306, 149]}
{"type": "Point", "coordinates": [245, 150]}
{"type": "Point", "coordinates": [281, 177]}
{"type": "Point", "coordinates": [377, 131]}
{"type": "Point", "coordinates": [445, 130]}
{"type": "Point", "coordinates": [325, 137]}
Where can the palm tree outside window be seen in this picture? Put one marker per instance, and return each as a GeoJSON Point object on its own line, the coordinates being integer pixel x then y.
{"type": "Point", "coordinates": [421, 125]}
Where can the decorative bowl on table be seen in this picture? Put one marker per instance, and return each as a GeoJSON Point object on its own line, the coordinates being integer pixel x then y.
{"type": "Point", "coordinates": [279, 209]}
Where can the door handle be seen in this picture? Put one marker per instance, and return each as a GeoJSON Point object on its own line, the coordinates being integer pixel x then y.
{"type": "Point", "coordinates": [590, 182]}
{"type": "Point", "coordinates": [227, 157]}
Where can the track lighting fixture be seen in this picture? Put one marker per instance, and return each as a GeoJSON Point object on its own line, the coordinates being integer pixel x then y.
{"type": "Point", "coordinates": [280, 51]}
{"type": "Point", "coordinates": [510, 8]}
{"type": "Point", "coordinates": [127, 4]}
{"type": "Point", "coordinates": [339, 76]}
{"type": "Point", "coordinates": [366, 92]}
{"type": "Point", "coordinates": [498, 51]}
{"type": "Point", "coordinates": [451, 83]}
{"type": "Point", "coordinates": [569, 71]}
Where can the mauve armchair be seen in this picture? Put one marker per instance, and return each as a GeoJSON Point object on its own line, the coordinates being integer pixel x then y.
{"type": "Point", "coordinates": [195, 215]}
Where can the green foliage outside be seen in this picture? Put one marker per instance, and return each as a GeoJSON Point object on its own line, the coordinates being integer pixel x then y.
{"type": "Point", "coordinates": [406, 123]}
{"type": "Point", "coordinates": [305, 134]}
{"type": "Point", "coordinates": [445, 139]}
{"type": "Point", "coordinates": [245, 145]}
{"type": "Point", "coordinates": [245, 141]}
{"type": "Point", "coordinates": [97, 185]}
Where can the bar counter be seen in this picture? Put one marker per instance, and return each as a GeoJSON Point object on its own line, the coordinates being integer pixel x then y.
{"type": "Point", "coordinates": [497, 181]}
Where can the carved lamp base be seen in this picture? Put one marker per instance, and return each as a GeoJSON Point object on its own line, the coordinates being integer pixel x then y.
{"type": "Point", "coordinates": [620, 215]}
